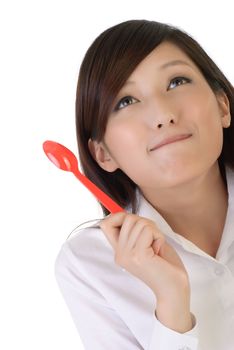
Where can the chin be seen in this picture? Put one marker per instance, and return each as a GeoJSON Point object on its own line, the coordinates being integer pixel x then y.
{"type": "Point", "coordinates": [179, 175]}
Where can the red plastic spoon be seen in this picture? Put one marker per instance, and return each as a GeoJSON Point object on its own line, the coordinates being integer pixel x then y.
{"type": "Point", "coordinates": [64, 159]}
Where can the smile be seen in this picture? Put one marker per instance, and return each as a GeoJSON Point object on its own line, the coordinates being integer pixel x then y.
{"type": "Point", "coordinates": [167, 142]}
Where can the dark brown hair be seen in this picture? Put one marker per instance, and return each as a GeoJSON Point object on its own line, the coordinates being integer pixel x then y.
{"type": "Point", "coordinates": [107, 64]}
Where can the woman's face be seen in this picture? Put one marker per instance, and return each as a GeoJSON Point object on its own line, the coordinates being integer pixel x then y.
{"type": "Point", "coordinates": [158, 106]}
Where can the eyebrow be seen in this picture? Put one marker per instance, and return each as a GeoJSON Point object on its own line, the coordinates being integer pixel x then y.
{"type": "Point", "coordinates": [173, 63]}
{"type": "Point", "coordinates": [166, 65]}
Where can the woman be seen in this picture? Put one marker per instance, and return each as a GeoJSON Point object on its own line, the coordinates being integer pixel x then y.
{"type": "Point", "coordinates": [154, 131]}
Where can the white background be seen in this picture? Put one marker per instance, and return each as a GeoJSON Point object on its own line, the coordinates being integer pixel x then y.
{"type": "Point", "coordinates": [41, 48]}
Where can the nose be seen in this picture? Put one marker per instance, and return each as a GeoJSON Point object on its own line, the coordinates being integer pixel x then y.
{"type": "Point", "coordinates": [166, 122]}
{"type": "Point", "coordinates": [161, 114]}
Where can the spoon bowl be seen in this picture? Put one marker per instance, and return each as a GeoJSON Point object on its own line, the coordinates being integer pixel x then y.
{"type": "Point", "coordinates": [61, 156]}
{"type": "Point", "coordinates": [64, 159]}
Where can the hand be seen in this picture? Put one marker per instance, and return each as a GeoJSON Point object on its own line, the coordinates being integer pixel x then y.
{"type": "Point", "coordinates": [141, 248]}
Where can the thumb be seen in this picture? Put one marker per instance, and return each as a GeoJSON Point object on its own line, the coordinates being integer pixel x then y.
{"type": "Point", "coordinates": [158, 244]}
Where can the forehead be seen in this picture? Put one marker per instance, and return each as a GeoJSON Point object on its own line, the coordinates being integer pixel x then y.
{"type": "Point", "coordinates": [163, 57]}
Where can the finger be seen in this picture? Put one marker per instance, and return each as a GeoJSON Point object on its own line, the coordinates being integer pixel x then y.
{"type": "Point", "coordinates": [126, 231]}
{"type": "Point", "coordinates": [136, 232]}
{"type": "Point", "coordinates": [146, 238]}
{"type": "Point", "coordinates": [111, 227]}
{"type": "Point", "coordinates": [149, 241]}
{"type": "Point", "coordinates": [131, 229]}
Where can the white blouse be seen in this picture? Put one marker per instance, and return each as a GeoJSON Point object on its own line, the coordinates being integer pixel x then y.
{"type": "Point", "coordinates": [114, 310]}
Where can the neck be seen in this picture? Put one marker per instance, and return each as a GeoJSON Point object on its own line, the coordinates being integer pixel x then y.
{"type": "Point", "coordinates": [198, 209]}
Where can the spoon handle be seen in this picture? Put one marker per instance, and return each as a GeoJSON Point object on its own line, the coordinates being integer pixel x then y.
{"type": "Point", "coordinates": [111, 205]}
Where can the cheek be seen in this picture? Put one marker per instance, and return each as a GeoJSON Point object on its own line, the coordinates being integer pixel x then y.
{"type": "Point", "coordinates": [208, 124]}
{"type": "Point", "coordinates": [206, 105]}
{"type": "Point", "coordinates": [124, 137]}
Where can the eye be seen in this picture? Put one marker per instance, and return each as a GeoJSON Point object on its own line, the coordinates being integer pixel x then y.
{"type": "Point", "coordinates": [178, 80]}
{"type": "Point", "coordinates": [124, 102]}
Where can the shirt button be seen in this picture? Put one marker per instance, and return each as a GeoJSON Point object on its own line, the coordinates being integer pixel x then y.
{"type": "Point", "coordinates": [184, 348]}
{"type": "Point", "coordinates": [219, 270]}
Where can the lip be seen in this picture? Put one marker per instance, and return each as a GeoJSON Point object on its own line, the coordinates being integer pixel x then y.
{"type": "Point", "coordinates": [171, 139]}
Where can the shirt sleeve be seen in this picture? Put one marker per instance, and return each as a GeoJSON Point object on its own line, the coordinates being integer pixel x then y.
{"type": "Point", "coordinates": [164, 338]}
{"type": "Point", "coordinates": [98, 324]}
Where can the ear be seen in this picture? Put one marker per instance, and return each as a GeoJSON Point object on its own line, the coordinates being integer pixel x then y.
{"type": "Point", "coordinates": [224, 107]}
{"type": "Point", "coordinates": [102, 156]}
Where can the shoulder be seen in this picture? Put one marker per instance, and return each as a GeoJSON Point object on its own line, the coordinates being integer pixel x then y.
{"type": "Point", "coordinates": [87, 251]}
{"type": "Point", "coordinates": [88, 242]}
